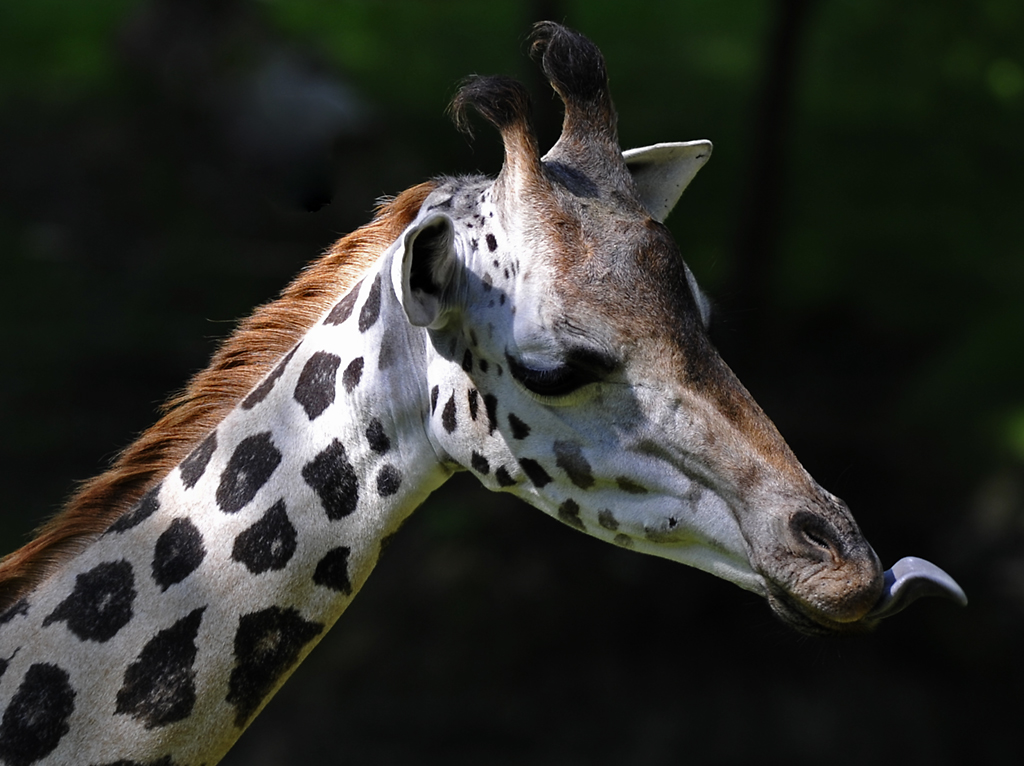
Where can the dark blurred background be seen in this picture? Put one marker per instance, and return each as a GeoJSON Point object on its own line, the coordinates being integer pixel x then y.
{"type": "Point", "coordinates": [167, 165]}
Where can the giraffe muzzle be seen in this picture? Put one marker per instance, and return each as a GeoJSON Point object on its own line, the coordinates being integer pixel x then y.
{"type": "Point", "coordinates": [832, 580]}
{"type": "Point", "coordinates": [911, 578]}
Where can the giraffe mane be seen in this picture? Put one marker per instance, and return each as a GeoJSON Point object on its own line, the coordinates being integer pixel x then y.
{"type": "Point", "coordinates": [240, 362]}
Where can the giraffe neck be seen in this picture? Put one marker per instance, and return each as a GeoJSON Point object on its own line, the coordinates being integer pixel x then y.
{"type": "Point", "coordinates": [165, 637]}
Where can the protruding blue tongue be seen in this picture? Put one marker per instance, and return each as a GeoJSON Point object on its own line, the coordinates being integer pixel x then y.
{"type": "Point", "coordinates": [912, 578]}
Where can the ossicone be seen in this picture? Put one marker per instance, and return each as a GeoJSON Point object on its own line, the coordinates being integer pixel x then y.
{"type": "Point", "coordinates": [575, 68]}
{"type": "Point", "coordinates": [502, 101]}
{"type": "Point", "coordinates": [505, 103]}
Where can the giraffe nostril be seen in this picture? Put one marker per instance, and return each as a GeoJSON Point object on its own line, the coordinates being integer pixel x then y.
{"type": "Point", "coordinates": [816, 533]}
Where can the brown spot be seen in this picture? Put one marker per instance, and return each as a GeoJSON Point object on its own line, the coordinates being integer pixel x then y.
{"type": "Point", "coordinates": [491, 407]}
{"type": "Point", "coordinates": [607, 520]}
{"type": "Point", "coordinates": [480, 463]}
{"type": "Point", "coordinates": [569, 457]}
{"type": "Point", "coordinates": [520, 430]}
{"type": "Point", "coordinates": [569, 512]}
{"type": "Point", "coordinates": [448, 419]}
{"type": "Point", "coordinates": [629, 486]}
{"type": "Point", "coordinates": [535, 471]}
{"type": "Point", "coordinates": [504, 478]}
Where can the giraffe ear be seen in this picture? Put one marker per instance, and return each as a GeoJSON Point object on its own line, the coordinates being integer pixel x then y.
{"type": "Point", "coordinates": [662, 171]}
{"type": "Point", "coordinates": [423, 269]}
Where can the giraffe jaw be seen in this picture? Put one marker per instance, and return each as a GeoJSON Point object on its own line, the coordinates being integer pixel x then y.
{"type": "Point", "coordinates": [713, 559]}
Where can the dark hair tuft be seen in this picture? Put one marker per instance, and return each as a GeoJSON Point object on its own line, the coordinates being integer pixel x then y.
{"type": "Point", "coordinates": [573, 64]}
{"type": "Point", "coordinates": [502, 101]}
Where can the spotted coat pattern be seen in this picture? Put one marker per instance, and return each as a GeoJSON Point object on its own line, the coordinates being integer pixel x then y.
{"type": "Point", "coordinates": [204, 596]}
{"type": "Point", "coordinates": [481, 340]}
{"type": "Point", "coordinates": [201, 599]}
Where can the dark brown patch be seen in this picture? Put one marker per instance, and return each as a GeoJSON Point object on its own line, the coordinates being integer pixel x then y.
{"type": "Point", "coordinates": [569, 457]}
{"type": "Point", "coordinates": [504, 478]}
{"type": "Point", "coordinates": [260, 392]}
{"type": "Point", "coordinates": [100, 603]}
{"type": "Point", "coordinates": [388, 349]}
{"type": "Point", "coordinates": [250, 466]}
{"type": "Point", "coordinates": [389, 479]}
{"type": "Point", "coordinates": [178, 553]}
{"type": "Point", "coordinates": [371, 309]}
{"type": "Point", "coordinates": [194, 466]}
{"type": "Point", "coordinates": [269, 543]}
{"type": "Point", "coordinates": [479, 463]}
{"type": "Point", "coordinates": [569, 512]}
{"type": "Point", "coordinates": [343, 310]}
{"type": "Point", "coordinates": [149, 505]}
{"type": "Point", "coordinates": [332, 571]}
{"type": "Point", "coordinates": [316, 386]}
{"type": "Point", "coordinates": [491, 407]}
{"type": "Point", "coordinates": [448, 419]}
{"type": "Point", "coordinates": [17, 609]}
{"type": "Point", "coordinates": [267, 644]}
{"type": "Point", "coordinates": [378, 440]}
{"type": "Point", "coordinates": [334, 479]}
{"type": "Point", "coordinates": [36, 719]}
{"type": "Point", "coordinates": [352, 375]}
{"type": "Point", "coordinates": [535, 471]}
{"type": "Point", "coordinates": [630, 487]}
{"type": "Point", "coordinates": [520, 430]}
{"type": "Point", "coordinates": [159, 686]}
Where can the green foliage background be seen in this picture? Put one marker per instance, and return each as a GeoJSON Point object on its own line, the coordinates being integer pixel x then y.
{"type": "Point", "coordinates": [881, 324]}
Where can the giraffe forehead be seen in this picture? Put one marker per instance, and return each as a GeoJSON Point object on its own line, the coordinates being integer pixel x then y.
{"type": "Point", "coordinates": [627, 273]}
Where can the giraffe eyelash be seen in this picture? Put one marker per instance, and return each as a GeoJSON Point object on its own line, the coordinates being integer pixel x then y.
{"type": "Point", "coordinates": [582, 368]}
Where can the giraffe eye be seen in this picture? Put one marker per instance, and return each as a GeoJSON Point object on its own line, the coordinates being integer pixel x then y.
{"type": "Point", "coordinates": [557, 381]}
{"type": "Point", "coordinates": [580, 369]}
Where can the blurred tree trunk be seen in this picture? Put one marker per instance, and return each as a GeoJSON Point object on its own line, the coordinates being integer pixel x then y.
{"type": "Point", "coordinates": [547, 108]}
{"type": "Point", "coordinates": [760, 216]}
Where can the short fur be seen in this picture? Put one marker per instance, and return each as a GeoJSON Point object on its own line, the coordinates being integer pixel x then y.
{"type": "Point", "coordinates": [240, 362]}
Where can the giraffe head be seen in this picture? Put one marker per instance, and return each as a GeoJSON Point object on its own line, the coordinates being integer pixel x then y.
{"type": "Point", "coordinates": [569, 364]}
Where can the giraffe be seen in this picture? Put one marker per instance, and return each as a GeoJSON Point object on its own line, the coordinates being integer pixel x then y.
{"type": "Point", "coordinates": [539, 330]}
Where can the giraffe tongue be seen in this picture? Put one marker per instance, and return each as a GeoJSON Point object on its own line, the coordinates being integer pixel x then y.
{"type": "Point", "coordinates": [912, 578]}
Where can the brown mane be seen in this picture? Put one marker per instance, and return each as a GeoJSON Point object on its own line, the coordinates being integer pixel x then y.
{"type": "Point", "coordinates": [240, 362]}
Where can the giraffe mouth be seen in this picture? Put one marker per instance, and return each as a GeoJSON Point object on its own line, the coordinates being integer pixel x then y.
{"type": "Point", "coordinates": [908, 580]}
{"type": "Point", "coordinates": [808, 620]}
